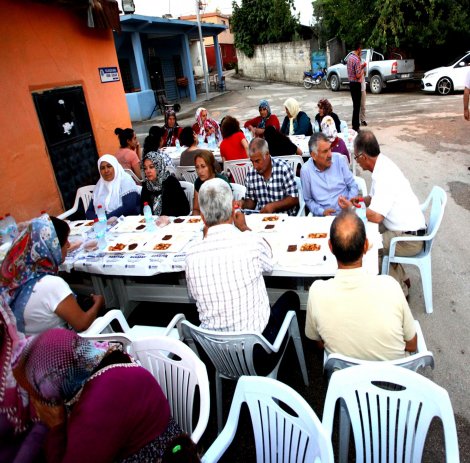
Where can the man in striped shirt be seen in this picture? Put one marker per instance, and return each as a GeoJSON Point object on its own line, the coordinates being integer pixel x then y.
{"type": "Point", "coordinates": [355, 72]}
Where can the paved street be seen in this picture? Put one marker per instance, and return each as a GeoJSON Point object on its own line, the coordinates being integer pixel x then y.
{"type": "Point", "coordinates": [427, 137]}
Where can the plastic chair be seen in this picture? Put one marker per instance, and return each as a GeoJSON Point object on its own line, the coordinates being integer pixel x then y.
{"type": "Point", "coordinates": [179, 372]}
{"type": "Point", "coordinates": [420, 359]}
{"type": "Point", "coordinates": [292, 433]}
{"type": "Point", "coordinates": [188, 188]}
{"type": "Point", "coordinates": [437, 199]}
{"type": "Point", "coordinates": [239, 191]}
{"type": "Point", "coordinates": [85, 194]}
{"type": "Point", "coordinates": [134, 177]}
{"type": "Point", "coordinates": [361, 183]}
{"type": "Point", "coordinates": [232, 352]}
{"type": "Point", "coordinates": [390, 410]}
{"type": "Point", "coordinates": [187, 173]}
{"type": "Point", "coordinates": [301, 211]}
{"type": "Point", "coordinates": [238, 169]}
{"type": "Point", "coordinates": [294, 161]}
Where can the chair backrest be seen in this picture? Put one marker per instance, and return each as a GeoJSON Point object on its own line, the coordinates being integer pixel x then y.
{"type": "Point", "coordinates": [438, 200]}
{"type": "Point", "coordinates": [301, 212]}
{"type": "Point", "coordinates": [188, 173]}
{"type": "Point", "coordinates": [180, 373]}
{"type": "Point", "coordinates": [239, 191]}
{"type": "Point", "coordinates": [84, 194]}
{"type": "Point", "coordinates": [188, 188]}
{"type": "Point", "coordinates": [238, 169]}
{"type": "Point", "coordinates": [390, 410]}
{"type": "Point", "coordinates": [293, 160]}
{"type": "Point", "coordinates": [361, 183]}
{"type": "Point", "coordinates": [134, 177]}
{"type": "Point", "coordinates": [285, 427]}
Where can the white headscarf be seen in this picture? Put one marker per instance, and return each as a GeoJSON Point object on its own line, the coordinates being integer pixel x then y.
{"type": "Point", "coordinates": [293, 107]}
{"type": "Point", "coordinates": [109, 194]}
{"type": "Point", "coordinates": [328, 127]}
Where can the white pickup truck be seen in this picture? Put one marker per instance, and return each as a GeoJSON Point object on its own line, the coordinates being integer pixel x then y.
{"type": "Point", "coordinates": [379, 71]}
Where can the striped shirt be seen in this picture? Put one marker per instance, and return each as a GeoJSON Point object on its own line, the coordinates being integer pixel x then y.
{"type": "Point", "coordinates": [224, 273]}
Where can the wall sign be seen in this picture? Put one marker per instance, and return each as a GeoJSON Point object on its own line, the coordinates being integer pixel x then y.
{"type": "Point", "coordinates": [108, 75]}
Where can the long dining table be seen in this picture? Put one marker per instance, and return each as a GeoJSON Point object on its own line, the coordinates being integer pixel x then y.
{"type": "Point", "coordinates": [299, 245]}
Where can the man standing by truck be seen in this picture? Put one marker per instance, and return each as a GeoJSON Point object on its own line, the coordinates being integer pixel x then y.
{"type": "Point", "coordinates": [355, 71]}
{"type": "Point", "coordinates": [466, 96]}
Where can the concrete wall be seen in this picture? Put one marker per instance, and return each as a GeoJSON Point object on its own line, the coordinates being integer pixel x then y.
{"type": "Point", "coordinates": [281, 62]}
{"type": "Point", "coordinates": [45, 47]}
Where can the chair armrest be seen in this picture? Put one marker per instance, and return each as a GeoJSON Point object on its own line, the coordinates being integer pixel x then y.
{"type": "Point", "coordinates": [421, 342]}
{"type": "Point", "coordinates": [282, 331]}
{"type": "Point", "coordinates": [68, 213]}
{"type": "Point", "coordinates": [101, 323]}
{"type": "Point", "coordinates": [174, 323]}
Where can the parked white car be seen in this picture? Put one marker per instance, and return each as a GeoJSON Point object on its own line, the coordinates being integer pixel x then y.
{"type": "Point", "coordinates": [446, 79]}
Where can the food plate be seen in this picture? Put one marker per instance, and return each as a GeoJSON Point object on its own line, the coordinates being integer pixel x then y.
{"type": "Point", "coordinates": [303, 252]}
{"type": "Point", "coordinates": [131, 224]}
{"type": "Point", "coordinates": [126, 243]}
{"type": "Point", "coordinates": [266, 223]}
{"type": "Point", "coordinates": [169, 242]}
{"type": "Point", "coordinates": [77, 227]}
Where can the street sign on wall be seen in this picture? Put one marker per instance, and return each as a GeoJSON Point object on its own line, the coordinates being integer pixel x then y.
{"type": "Point", "coordinates": [109, 74]}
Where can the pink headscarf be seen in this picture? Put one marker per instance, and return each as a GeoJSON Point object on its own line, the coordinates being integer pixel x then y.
{"type": "Point", "coordinates": [207, 125]}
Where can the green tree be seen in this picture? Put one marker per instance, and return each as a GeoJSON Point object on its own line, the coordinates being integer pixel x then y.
{"type": "Point", "coordinates": [256, 22]}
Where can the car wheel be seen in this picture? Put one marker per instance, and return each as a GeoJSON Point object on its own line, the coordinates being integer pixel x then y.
{"type": "Point", "coordinates": [334, 82]}
{"type": "Point", "coordinates": [376, 84]}
{"type": "Point", "coordinates": [444, 86]}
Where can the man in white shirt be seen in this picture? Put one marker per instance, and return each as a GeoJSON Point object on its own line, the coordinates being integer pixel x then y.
{"type": "Point", "coordinates": [224, 271]}
{"type": "Point", "coordinates": [466, 97]}
{"type": "Point", "coordinates": [391, 202]}
{"type": "Point", "coordinates": [357, 314]}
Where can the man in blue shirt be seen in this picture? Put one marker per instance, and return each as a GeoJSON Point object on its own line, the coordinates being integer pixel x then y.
{"type": "Point", "coordinates": [325, 177]}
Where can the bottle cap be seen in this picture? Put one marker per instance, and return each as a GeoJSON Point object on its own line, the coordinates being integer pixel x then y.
{"type": "Point", "coordinates": [95, 220]}
{"type": "Point", "coordinates": [7, 215]}
{"type": "Point", "coordinates": [43, 212]}
{"type": "Point", "coordinates": [146, 204]}
{"type": "Point", "coordinates": [100, 206]}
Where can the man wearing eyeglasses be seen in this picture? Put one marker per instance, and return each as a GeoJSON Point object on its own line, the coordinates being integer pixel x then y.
{"type": "Point", "coordinates": [391, 202]}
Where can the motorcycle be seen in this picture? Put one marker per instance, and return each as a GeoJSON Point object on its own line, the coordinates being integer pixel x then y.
{"type": "Point", "coordinates": [315, 78]}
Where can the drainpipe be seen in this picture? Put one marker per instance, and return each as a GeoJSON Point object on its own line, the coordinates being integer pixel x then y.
{"type": "Point", "coordinates": [203, 51]}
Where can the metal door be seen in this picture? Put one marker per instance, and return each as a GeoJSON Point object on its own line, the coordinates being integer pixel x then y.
{"type": "Point", "coordinates": [66, 126]}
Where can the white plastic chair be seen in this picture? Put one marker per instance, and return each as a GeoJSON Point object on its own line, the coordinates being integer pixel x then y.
{"type": "Point", "coordinates": [290, 436]}
{"type": "Point", "coordinates": [179, 372]}
{"type": "Point", "coordinates": [301, 211]}
{"type": "Point", "coordinates": [238, 169]}
{"type": "Point", "coordinates": [134, 177]}
{"type": "Point", "coordinates": [420, 359]}
{"type": "Point", "coordinates": [294, 161]}
{"type": "Point", "coordinates": [187, 173]}
{"type": "Point", "coordinates": [232, 352]}
{"type": "Point", "coordinates": [361, 183]}
{"type": "Point", "coordinates": [188, 188]}
{"type": "Point", "coordinates": [84, 194]}
{"type": "Point", "coordinates": [389, 421]}
{"type": "Point", "coordinates": [239, 191]}
{"type": "Point", "coordinates": [437, 199]}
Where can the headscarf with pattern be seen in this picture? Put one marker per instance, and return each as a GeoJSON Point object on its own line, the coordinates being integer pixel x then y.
{"type": "Point", "coordinates": [36, 252]}
{"type": "Point", "coordinates": [205, 126]}
{"type": "Point", "coordinates": [55, 365]}
{"type": "Point", "coordinates": [328, 127]}
{"type": "Point", "coordinates": [172, 132]}
{"type": "Point", "coordinates": [263, 104]}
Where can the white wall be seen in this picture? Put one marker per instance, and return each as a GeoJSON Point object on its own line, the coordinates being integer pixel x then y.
{"type": "Point", "coordinates": [281, 62]}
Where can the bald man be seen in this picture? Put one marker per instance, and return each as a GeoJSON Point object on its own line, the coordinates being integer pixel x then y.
{"type": "Point", "coordinates": [357, 314]}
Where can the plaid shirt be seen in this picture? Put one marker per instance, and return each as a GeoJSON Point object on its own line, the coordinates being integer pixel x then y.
{"type": "Point", "coordinates": [354, 68]}
{"type": "Point", "coordinates": [224, 273]}
{"type": "Point", "coordinates": [280, 185]}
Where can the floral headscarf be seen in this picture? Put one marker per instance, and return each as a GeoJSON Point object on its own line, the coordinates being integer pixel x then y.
{"type": "Point", "coordinates": [293, 107]}
{"type": "Point", "coordinates": [35, 253]}
{"type": "Point", "coordinates": [208, 124]}
{"type": "Point", "coordinates": [56, 364]}
{"type": "Point", "coordinates": [160, 161]}
{"type": "Point", "coordinates": [328, 127]}
{"type": "Point", "coordinates": [172, 132]}
{"type": "Point", "coordinates": [263, 104]}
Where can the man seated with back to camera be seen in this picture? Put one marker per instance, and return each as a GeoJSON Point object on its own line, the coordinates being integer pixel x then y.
{"type": "Point", "coordinates": [224, 271]}
{"type": "Point", "coordinates": [355, 313]}
{"type": "Point", "coordinates": [325, 177]}
{"type": "Point", "coordinates": [270, 185]}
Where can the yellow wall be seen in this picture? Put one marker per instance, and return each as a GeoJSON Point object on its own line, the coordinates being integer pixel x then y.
{"type": "Point", "coordinates": [45, 47]}
{"type": "Point", "coordinates": [215, 18]}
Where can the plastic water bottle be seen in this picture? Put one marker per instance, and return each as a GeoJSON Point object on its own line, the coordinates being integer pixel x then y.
{"type": "Point", "coordinates": [149, 222]}
{"type": "Point", "coordinates": [101, 213]}
{"type": "Point", "coordinates": [361, 210]}
{"type": "Point", "coordinates": [11, 229]}
{"type": "Point", "coordinates": [178, 145]}
{"type": "Point", "coordinates": [100, 232]}
{"type": "Point", "coordinates": [212, 142]}
{"type": "Point", "coordinates": [316, 127]}
{"type": "Point", "coordinates": [200, 140]}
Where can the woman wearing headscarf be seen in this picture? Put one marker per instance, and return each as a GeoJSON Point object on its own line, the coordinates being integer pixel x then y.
{"type": "Point", "coordinates": [115, 191]}
{"type": "Point", "coordinates": [171, 128]}
{"type": "Point", "coordinates": [161, 190]}
{"type": "Point", "coordinates": [29, 280]}
{"type": "Point", "coordinates": [296, 121]}
{"type": "Point", "coordinates": [258, 124]}
{"type": "Point", "coordinates": [206, 126]}
{"type": "Point", "coordinates": [128, 154]}
{"type": "Point", "coordinates": [325, 109]}
{"type": "Point", "coordinates": [99, 404]}
{"type": "Point", "coordinates": [337, 144]}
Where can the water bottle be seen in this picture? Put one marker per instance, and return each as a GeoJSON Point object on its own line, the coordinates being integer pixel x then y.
{"type": "Point", "coordinates": [316, 127]}
{"type": "Point", "coordinates": [11, 228]}
{"type": "Point", "coordinates": [100, 232]}
{"type": "Point", "coordinates": [212, 142]}
{"type": "Point", "coordinates": [200, 140]}
{"type": "Point", "coordinates": [361, 210]}
{"type": "Point", "coordinates": [178, 145]}
{"type": "Point", "coordinates": [149, 222]}
{"type": "Point", "coordinates": [101, 213]}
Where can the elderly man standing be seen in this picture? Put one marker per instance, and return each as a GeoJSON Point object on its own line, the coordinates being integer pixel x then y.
{"type": "Point", "coordinates": [357, 314]}
{"type": "Point", "coordinates": [325, 177]}
{"type": "Point", "coordinates": [224, 271]}
{"type": "Point", "coordinates": [270, 186]}
{"type": "Point", "coordinates": [391, 202]}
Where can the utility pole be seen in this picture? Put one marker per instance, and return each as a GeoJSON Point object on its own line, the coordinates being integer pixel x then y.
{"type": "Point", "coordinates": [203, 50]}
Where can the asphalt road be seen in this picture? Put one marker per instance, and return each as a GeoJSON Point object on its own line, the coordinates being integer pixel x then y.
{"type": "Point", "coordinates": [427, 137]}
